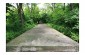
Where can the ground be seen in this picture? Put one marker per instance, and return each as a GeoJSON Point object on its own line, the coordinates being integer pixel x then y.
{"type": "Point", "coordinates": [42, 38]}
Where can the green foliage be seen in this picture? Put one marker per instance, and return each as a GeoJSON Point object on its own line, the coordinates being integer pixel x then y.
{"type": "Point", "coordinates": [27, 13]}
{"type": "Point", "coordinates": [64, 18]}
{"type": "Point", "coordinates": [13, 34]}
{"type": "Point", "coordinates": [75, 36]}
{"type": "Point", "coordinates": [13, 25]}
{"type": "Point", "coordinates": [66, 21]}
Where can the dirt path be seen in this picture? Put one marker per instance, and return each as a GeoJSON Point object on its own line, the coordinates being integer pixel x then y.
{"type": "Point", "coordinates": [42, 38]}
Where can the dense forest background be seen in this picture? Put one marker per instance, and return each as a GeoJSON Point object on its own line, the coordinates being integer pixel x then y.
{"type": "Point", "coordinates": [63, 17]}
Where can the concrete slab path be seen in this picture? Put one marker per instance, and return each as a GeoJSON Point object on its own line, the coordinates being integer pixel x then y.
{"type": "Point", "coordinates": [42, 38]}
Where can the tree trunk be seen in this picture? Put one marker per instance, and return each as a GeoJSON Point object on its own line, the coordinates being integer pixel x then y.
{"type": "Point", "coordinates": [64, 7]}
{"type": "Point", "coordinates": [53, 6]}
{"type": "Point", "coordinates": [20, 13]}
{"type": "Point", "coordinates": [71, 6]}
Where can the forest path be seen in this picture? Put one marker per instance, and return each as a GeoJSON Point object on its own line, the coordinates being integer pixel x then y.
{"type": "Point", "coordinates": [42, 38]}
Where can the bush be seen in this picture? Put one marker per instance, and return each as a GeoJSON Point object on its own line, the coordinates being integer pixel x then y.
{"type": "Point", "coordinates": [75, 36]}
{"type": "Point", "coordinates": [13, 34]}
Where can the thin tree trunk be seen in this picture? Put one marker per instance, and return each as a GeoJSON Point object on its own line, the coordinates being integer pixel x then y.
{"type": "Point", "coordinates": [20, 13]}
{"type": "Point", "coordinates": [71, 6]}
{"type": "Point", "coordinates": [64, 7]}
{"type": "Point", "coordinates": [53, 6]}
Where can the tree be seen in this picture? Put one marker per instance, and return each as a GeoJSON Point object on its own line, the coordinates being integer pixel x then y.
{"type": "Point", "coordinates": [64, 7]}
{"type": "Point", "coordinates": [20, 13]}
